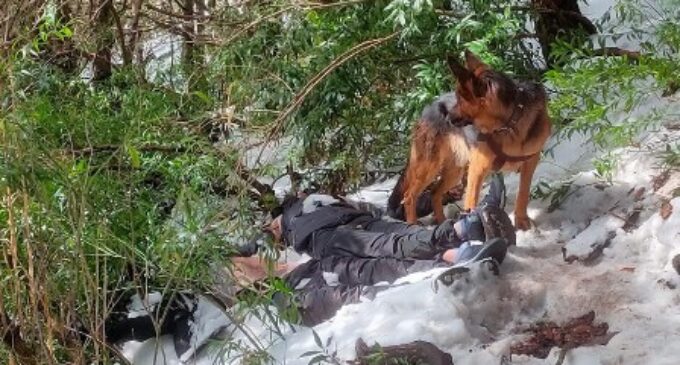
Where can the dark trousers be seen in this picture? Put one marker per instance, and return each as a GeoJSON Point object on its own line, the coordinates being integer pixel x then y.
{"type": "Point", "coordinates": [318, 301]}
{"type": "Point", "coordinates": [372, 237]}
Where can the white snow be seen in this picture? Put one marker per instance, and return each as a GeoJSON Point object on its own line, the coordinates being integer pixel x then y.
{"type": "Point", "coordinates": [630, 285]}
{"type": "Point", "coordinates": [595, 235]}
{"type": "Point", "coordinates": [139, 307]}
{"type": "Point", "coordinates": [208, 320]}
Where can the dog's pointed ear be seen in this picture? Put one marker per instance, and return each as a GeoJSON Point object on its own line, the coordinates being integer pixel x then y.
{"type": "Point", "coordinates": [466, 79]}
{"type": "Point", "coordinates": [474, 64]}
{"type": "Point", "coordinates": [459, 71]}
{"type": "Point", "coordinates": [479, 88]}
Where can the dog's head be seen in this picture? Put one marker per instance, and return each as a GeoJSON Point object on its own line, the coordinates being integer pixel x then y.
{"type": "Point", "coordinates": [453, 115]}
{"type": "Point", "coordinates": [484, 95]}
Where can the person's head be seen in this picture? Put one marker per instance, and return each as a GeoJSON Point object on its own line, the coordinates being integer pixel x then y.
{"type": "Point", "coordinates": [275, 227]}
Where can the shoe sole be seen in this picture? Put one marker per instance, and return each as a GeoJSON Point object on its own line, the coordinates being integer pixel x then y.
{"type": "Point", "coordinates": [495, 250]}
{"type": "Point", "coordinates": [448, 277]}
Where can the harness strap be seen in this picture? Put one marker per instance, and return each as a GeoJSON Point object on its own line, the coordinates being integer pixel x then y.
{"type": "Point", "coordinates": [501, 157]}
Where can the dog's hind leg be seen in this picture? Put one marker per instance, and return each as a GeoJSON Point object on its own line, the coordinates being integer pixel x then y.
{"type": "Point", "coordinates": [418, 177]}
{"type": "Point", "coordinates": [526, 173]}
{"type": "Point", "coordinates": [450, 176]}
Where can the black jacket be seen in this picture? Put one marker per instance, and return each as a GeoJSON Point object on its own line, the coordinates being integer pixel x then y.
{"type": "Point", "coordinates": [297, 225]}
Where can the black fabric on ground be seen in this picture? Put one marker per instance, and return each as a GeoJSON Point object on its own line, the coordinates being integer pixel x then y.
{"type": "Point", "coordinates": [315, 300]}
{"type": "Point", "coordinates": [316, 305]}
{"type": "Point", "coordinates": [297, 227]}
{"type": "Point", "coordinates": [369, 271]}
{"type": "Point", "coordinates": [119, 328]}
{"type": "Point", "coordinates": [340, 229]}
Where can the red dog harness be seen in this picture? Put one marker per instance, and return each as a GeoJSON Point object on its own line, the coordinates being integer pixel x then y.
{"type": "Point", "coordinates": [501, 157]}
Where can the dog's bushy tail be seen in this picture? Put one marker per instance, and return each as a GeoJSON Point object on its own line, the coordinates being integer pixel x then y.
{"type": "Point", "coordinates": [394, 207]}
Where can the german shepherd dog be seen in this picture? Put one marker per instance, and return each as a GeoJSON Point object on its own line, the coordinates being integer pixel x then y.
{"type": "Point", "coordinates": [439, 146]}
{"type": "Point", "coordinates": [512, 125]}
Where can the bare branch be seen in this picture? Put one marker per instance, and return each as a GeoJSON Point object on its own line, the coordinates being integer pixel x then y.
{"type": "Point", "coordinates": [615, 51]}
{"type": "Point", "coordinates": [134, 26]}
{"type": "Point", "coordinates": [302, 94]}
{"type": "Point", "coordinates": [177, 15]}
{"type": "Point", "coordinates": [313, 6]}
{"type": "Point", "coordinates": [88, 151]}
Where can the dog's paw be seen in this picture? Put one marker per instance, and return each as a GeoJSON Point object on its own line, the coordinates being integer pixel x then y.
{"type": "Point", "coordinates": [522, 223]}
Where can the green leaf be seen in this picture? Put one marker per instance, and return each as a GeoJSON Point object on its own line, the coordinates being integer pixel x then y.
{"type": "Point", "coordinates": [317, 359]}
{"type": "Point", "coordinates": [317, 339]}
{"type": "Point", "coordinates": [309, 353]}
{"type": "Point", "coordinates": [67, 32]}
{"type": "Point", "coordinates": [135, 159]}
{"type": "Point", "coordinates": [203, 96]}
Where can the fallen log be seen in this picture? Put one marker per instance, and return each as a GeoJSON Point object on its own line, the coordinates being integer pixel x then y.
{"type": "Point", "coordinates": [416, 352]}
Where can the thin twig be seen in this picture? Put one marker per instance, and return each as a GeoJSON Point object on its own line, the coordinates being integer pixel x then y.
{"type": "Point", "coordinates": [177, 15]}
{"type": "Point", "coordinates": [562, 356]}
{"type": "Point", "coordinates": [302, 94]}
{"type": "Point", "coordinates": [87, 151]}
{"type": "Point", "coordinates": [616, 51]}
{"type": "Point", "coordinates": [314, 6]}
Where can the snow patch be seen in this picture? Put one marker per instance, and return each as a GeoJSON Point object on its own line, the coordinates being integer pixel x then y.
{"type": "Point", "coordinates": [139, 307]}
{"type": "Point", "coordinates": [598, 234]}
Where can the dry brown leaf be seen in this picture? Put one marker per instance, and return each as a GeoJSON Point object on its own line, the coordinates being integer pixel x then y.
{"type": "Point", "coordinates": [639, 193]}
{"type": "Point", "coordinates": [580, 331]}
{"type": "Point", "coordinates": [666, 209]}
{"type": "Point", "coordinates": [660, 180]}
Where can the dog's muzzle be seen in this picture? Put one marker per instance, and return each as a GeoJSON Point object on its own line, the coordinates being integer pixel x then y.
{"type": "Point", "coordinates": [460, 122]}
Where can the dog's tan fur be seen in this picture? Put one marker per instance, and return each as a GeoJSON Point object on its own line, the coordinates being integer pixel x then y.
{"type": "Point", "coordinates": [491, 100]}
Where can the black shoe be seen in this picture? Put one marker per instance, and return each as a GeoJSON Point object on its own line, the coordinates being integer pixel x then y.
{"type": "Point", "coordinates": [470, 252]}
{"type": "Point", "coordinates": [497, 224]}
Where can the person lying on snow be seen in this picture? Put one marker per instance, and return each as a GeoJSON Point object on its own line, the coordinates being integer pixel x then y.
{"type": "Point", "coordinates": [363, 250]}
{"type": "Point", "coordinates": [452, 244]}
{"type": "Point", "coordinates": [322, 226]}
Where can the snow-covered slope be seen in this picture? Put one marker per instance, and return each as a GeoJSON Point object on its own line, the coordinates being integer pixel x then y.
{"type": "Point", "coordinates": [631, 285]}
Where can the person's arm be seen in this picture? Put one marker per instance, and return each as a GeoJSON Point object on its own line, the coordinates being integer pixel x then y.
{"type": "Point", "coordinates": [248, 270]}
{"type": "Point", "coordinates": [363, 206]}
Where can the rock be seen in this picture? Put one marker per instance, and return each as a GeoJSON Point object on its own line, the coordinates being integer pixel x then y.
{"type": "Point", "coordinates": [676, 263]}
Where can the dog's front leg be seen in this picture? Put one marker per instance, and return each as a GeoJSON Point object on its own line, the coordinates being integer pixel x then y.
{"type": "Point", "coordinates": [480, 165]}
{"type": "Point", "coordinates": [526, 173]}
